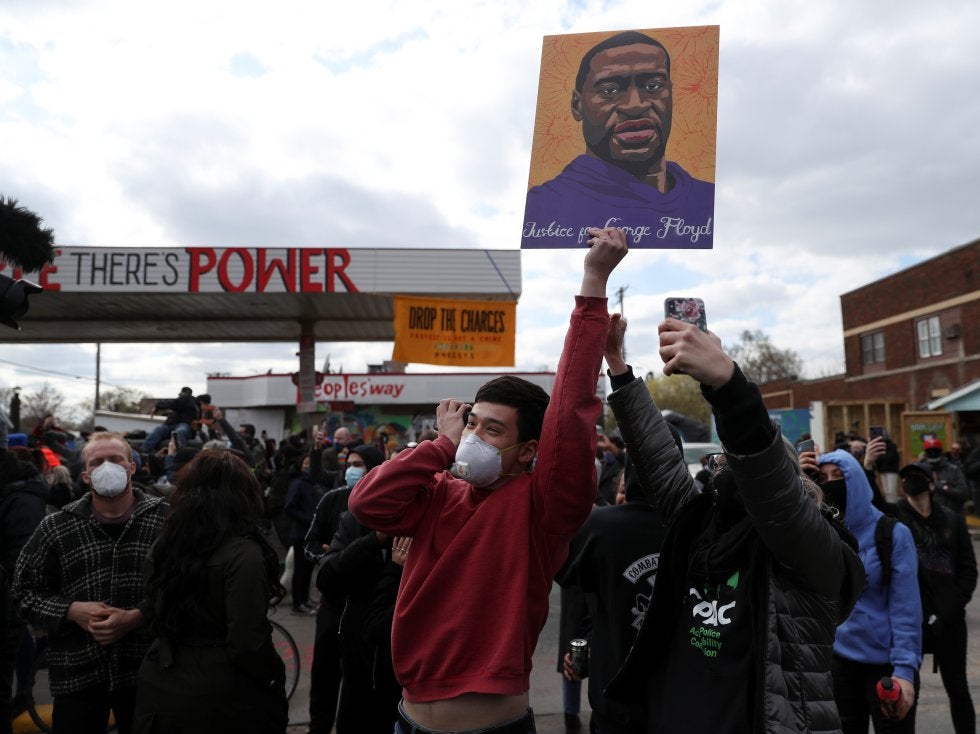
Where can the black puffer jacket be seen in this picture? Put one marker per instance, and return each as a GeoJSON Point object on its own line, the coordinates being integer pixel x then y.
{"type": "Point", "coordinates": [809, 576]}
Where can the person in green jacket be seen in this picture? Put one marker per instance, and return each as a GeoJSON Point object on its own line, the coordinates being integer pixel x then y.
{"type": "Point", "coordinates": [211, 578]}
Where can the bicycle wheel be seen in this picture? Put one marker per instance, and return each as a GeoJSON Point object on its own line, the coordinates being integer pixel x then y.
{"type": "Point", "coordinates": [38, 692]}
{"type": "Point", "coordinates": [286, 647]}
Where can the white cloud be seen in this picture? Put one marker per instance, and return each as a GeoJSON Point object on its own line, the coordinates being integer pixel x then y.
{"type": "Point", "coordinates": [846, 150]}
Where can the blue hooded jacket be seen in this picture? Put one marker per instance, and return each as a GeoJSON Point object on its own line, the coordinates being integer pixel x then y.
{"type": "Point", "coordinates": [886, 624]}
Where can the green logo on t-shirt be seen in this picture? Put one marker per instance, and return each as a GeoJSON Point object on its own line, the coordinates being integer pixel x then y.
{"type": "Point", "coordinates": [712, 610]}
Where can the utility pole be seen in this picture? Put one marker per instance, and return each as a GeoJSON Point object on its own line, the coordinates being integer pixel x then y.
{"type": "Point", "coordinates": [620, 297]}
{"type": "Point", "coordinates": [15, 409]}
{"type": "Point", "coordinates": [98, 376]}
{"type": "Point", "coordinates": [620, 293]}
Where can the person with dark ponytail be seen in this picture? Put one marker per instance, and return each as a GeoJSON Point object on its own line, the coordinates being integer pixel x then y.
{"type": "Point", "coordinates": [211, 579]}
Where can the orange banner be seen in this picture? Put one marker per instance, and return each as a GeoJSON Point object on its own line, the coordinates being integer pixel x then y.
{"type": "Point", "coordinates": [454, 333]}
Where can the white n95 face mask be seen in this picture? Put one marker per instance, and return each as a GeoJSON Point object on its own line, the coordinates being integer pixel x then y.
{"type": "Point", "coordinates": [109, 480]}
{"type": "Point", "coordinates": [477, 462]}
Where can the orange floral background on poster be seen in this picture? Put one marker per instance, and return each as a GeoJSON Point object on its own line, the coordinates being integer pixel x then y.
{"type": "Point", "coordinates": [693, 73]}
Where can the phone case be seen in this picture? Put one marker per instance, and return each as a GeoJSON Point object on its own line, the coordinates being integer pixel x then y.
{"type": "Point", "coordinates": [690, 310]}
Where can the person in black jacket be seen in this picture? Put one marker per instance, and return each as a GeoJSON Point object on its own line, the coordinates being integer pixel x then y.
{"type": "Point", "coordinates": [947, 579]}
{"type": "Point", "coordinates": [610, 452]}
{"type": "Point", "coordinates": [301, 500]}
{"type": "Point", "coordinates": [23, 495]}
{"type": "Point", "coordinates": [326, 670]}
{"type": "Point", "coordinates": [182, 412]}
{"type": "Point", "coordinates": [351, 568]}
{"type": "Point", "coordinates": [614, 558]}
{"type": "Point", "coordinates": [753, 578]}
{"type": "Point", "coordinates": [378, 618]}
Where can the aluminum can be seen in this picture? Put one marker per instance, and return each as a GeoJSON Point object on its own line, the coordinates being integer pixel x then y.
{"type": "Point", "coordinates": [579, 650]}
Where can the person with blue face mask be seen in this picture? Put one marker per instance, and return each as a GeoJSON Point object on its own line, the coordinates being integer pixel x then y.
{"type": "Point", "coordinates": [356, 469]}
{"type": "Point", "coordinates": [354, 562]}
{"type": "Point", "coordinates": [326, 668]}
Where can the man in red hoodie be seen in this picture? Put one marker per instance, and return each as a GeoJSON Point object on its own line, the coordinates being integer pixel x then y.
{"type": "Point", "coordinates": [491, 505]}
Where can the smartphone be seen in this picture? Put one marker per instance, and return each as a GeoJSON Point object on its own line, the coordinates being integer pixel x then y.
{"type": "Point", "coordinates": [689, 310]}
{"type": "Point", "coordinates": [875, 432]}
{"type": "Point", "coordinates": [714, 462]}
{"type": "Point", "coordinates": [804, 446]}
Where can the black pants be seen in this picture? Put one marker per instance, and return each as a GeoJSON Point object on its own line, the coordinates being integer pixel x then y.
{"type": "Point", "coordinates": [855, 691]}
{"type": "Point", "coordinates": [325, 671]}
{"type": "Point", "coordinates": [363, 708]}
{"type": "Point", "coordinates": [10, 636]}
{"type": "Point", "coordinates": [599, 724]}
{"type": "Point", "coordinates": [950, 651]}
{"type": "Point", "coordinates": [302, 573]}
{"type": "Point", "coordinates": [87, 712]}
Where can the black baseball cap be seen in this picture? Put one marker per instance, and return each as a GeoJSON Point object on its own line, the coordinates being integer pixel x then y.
{"type": "Point", "coordinates": [919, 466]}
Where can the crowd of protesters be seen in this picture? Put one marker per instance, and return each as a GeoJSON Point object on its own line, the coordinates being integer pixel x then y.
{"type": "Point", "coordinates": [775, 593]}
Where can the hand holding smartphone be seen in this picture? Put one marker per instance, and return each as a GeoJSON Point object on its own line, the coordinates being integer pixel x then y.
{"type": "Point", "coordinates": [689, 310]}
{"type": "Point", "coordinates": [808, 459]}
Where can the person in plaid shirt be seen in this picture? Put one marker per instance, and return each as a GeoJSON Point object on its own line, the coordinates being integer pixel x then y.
{"type": "Point", "coordinates": [80, 578]}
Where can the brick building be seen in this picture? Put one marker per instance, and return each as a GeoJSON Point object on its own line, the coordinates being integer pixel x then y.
{"type": "Point", "coordinates": [911, 340]}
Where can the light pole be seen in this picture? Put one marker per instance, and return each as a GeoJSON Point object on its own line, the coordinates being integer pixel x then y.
{"type": "Point", "coordinates": [15, 410]}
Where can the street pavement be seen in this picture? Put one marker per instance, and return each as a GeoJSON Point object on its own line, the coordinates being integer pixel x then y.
{"type": "Point", "coordinates": [932, 717]}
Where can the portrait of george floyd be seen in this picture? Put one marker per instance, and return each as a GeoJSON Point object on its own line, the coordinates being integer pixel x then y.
{"type": "Point", "coordinates": [624, 136]}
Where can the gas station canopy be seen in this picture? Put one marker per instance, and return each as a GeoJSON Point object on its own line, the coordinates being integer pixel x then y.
{"type": "Point", "coordinates": [247, 294]}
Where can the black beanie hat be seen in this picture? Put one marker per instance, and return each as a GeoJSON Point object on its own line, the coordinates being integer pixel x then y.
{"type": "Point", "coordinates": [372, 457]}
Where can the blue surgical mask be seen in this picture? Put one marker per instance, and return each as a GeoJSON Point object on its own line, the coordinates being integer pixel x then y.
{"type": "Point", "coordinates": [353, 475]}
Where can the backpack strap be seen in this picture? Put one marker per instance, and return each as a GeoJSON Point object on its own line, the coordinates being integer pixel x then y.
{"type": "Point", "coordinates": [883, 544]}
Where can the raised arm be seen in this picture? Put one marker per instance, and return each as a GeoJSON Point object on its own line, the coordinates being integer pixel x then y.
{"type": "Point", "coordinates": [564, 477]}
{"type": "Point", "coordinates": [607, 247]}
{"type": "Point", "coordinates": [766, 476]}
{"type": "Point", "coordinates": [660, 467]}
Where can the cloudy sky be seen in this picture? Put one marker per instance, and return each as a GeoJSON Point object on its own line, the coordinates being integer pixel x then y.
{"type": "Point", "coordinates": [847, 149]}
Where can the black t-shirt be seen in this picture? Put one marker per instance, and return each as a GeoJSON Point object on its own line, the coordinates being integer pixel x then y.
{"type": "Point", "coordinates": [114, 530]}
{"type": "Point", "coordinates": [707, 683]}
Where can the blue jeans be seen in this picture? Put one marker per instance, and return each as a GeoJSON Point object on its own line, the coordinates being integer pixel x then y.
{"type": "Point", "coordinates": [163, 431]}
{"type": "Point", "coordinates": [571, 696]}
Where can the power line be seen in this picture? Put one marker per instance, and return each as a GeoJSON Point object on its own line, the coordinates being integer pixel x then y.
{"type": "Point", "coordinates": [45, 371]}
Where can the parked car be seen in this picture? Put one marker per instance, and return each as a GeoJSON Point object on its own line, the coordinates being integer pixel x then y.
{"type": "Point", "coordinates": [693, 453]}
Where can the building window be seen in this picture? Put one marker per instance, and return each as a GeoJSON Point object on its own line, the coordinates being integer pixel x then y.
{"type": "Point", "coordinates": [873, 347]}
{"type": "Point", "coordinates": [930, 337]}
